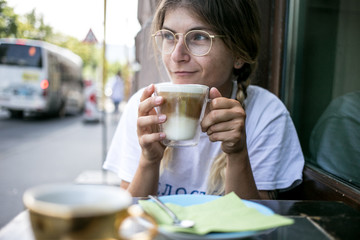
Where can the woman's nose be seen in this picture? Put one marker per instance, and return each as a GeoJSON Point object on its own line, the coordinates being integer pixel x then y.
{"type": "Point", "coordinates": [180, 52]}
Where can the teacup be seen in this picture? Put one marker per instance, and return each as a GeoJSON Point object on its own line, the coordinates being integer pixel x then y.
{"type": "Point", "coordinates": [68, 211]}
{"type": "Point", "coordinates": [184, 108]}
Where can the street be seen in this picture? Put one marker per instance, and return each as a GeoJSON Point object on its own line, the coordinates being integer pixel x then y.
{"type": "Point", "coordinates": [42, 150]}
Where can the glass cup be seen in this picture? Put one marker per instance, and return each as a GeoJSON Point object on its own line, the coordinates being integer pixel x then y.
{"type": "Point", "coordinates": [184, 107]}
{"type": "Point", "coordinates": [69, 211]}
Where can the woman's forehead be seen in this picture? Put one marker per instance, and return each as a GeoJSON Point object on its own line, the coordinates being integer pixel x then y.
{"type": "Point", "coordinates": [183, 18]}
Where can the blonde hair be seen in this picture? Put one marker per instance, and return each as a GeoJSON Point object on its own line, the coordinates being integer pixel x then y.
{"type": "Point", "coordinates": [239, 21]}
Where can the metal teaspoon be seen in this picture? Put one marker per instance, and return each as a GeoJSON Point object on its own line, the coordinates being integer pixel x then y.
{"type": "Point", "coordinates": [176, 221]}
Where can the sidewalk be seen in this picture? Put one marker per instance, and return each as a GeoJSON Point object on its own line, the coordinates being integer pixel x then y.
{"type": "Point", "coordinates": [103, 176]}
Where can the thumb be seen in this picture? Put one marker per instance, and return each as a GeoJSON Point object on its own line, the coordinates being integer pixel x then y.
{"type": "Point", "coordinates": [214, 93]}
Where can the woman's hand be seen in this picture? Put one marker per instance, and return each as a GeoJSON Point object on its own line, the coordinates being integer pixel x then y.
{"type": "Point", "coordinates": [148, 126]}
{"type": "Point", "coordinates": [225, 121]}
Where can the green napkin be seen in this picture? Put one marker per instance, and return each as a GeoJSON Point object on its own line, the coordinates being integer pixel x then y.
{"type": "Point", "coordinates": [225, 214]}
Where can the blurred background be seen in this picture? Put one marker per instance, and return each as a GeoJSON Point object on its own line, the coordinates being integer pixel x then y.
{"type": "Point", "coordinates": [57, 116]}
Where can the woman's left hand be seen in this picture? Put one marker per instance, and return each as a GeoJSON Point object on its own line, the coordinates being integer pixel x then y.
{"type": "Point", "coordinates": [224, 121]}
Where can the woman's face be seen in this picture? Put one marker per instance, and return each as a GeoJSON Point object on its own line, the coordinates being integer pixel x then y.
{"type": "Point", "coordinates": [214, 69]}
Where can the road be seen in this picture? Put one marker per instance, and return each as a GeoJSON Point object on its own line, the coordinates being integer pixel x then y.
{"type": "Point", "coordinates": [36, 150]}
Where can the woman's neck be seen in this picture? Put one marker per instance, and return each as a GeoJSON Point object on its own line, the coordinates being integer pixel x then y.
{"type": "Point", "coordinates": [227, 90]}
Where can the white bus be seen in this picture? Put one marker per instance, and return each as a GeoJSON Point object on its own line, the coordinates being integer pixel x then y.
{"type": "Point", "coordinates": [38, 77]}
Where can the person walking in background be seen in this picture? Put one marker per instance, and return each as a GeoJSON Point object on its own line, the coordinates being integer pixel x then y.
{"type": "Point", "coordinates": [117, 90]}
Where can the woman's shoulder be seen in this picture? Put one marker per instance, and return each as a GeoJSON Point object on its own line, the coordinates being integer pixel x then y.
{"type": "Point", "coordinates": [258, 97]}
{"type": "Point", "coordinates": [261, 105]}
{"type": "Point", "coordinates": [255, 92]}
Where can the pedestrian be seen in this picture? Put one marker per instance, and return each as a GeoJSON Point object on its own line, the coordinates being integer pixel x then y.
{"type": "Point", "coordinates": [117, 90]}
{"type": "Point", "coordinates": [249, 144]}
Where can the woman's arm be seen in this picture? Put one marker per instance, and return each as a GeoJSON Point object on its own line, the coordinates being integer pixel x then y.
{"type": "Point", "coordinates": [225, 122]}
{"type": "Point", "coordinates": [146, 177]}
{"type": "Point", "coordinates": [239, 177]}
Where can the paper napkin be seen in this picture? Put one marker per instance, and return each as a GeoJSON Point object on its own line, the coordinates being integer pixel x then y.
{"type": "Point", "coordinates": [224, 214]}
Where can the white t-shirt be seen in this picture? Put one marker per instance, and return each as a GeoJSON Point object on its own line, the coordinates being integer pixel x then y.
{"type": "Point", "coordinates": [273, 147]}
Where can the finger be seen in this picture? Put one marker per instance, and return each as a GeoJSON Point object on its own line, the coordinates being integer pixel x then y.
{"type": "Point", "coordinates": [223, 103]}
{"type": "Point", "coordinates": [214, 93]}
{"type": "Point", "coordinates": [149, 90]}
{"type": "Point", "coordinates": [234, 125]}
{"type": "Point", "coordinates": [148, 139]}
{"type": "Point", "coordinates": [226, 137]}
{"type": "Point", "coordinates": [148, 121]}
{"type": "Point", "coordinates": [222, 115]}
{"type": "Point", "coordinates": [147, 106]}
{"type": "Point", "coordinates": [144, 107]}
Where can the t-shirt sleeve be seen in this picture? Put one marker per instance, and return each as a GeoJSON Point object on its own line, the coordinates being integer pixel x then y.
{"type": "Point", "coordinates": [273, 145]}
{"type": "Point", "coordinates": [124, 151]}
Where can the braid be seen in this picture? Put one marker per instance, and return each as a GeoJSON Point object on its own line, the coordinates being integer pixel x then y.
{"type": "Point", "coordinates": [168, 155]}
{"type": "Point", "coordinates": [216, 177]}
{"type": "Point", "coordinates": [243, 81]}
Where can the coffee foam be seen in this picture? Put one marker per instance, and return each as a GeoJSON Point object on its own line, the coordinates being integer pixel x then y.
{"type": "Point", "coordinates": [182, 88]}
{"type": "Point", "coordinates": [68, 201]}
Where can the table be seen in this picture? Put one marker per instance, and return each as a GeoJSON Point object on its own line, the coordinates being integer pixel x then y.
{"type": "Point", "coordinates": [313, 220]}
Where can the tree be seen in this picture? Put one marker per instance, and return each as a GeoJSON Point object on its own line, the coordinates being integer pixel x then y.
{"type": "Point", "coordinates": [8, 21]}
{"type": "Point", "coordinates": [33, 27]}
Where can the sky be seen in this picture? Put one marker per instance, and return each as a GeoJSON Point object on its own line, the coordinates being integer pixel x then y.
{"type": "Point", "coordinates": [76, 17]}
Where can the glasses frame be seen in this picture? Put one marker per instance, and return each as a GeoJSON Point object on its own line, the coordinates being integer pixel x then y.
{"type": "Point", "coordinates": [212, 36]}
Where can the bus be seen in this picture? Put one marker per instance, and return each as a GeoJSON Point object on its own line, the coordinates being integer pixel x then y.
{"type": "Point", "coordinates": [39, 77]}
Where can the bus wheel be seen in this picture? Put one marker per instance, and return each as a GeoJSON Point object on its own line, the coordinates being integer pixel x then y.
{"type": "Point", "coordinates": [16, 113]}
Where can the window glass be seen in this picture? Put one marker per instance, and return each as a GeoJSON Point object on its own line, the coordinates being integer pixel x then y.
{"type": "Point", "coordinates": [20, 55]}
{"type": "Point", "coordinates": [323, 91]}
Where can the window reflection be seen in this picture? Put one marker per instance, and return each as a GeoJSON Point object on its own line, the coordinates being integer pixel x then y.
{"type": "Point", "coordinates": [323, 93]}
{"type": "Point", "coordinates": [335, 139]}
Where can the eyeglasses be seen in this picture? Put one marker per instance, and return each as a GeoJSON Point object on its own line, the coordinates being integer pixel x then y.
{"type": "Point", "coordinates": [197, 42]}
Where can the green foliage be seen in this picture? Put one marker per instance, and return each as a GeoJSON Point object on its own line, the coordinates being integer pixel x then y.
{"type": "Point", "coordinates": [8, 21]}
{"type": "Point", "coordinates": [90, 54]}
{"type": "Point", "coordinates": [33, 27]}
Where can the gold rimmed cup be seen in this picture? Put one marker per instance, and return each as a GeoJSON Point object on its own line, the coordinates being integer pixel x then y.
{"type": "Point", "coordinates": [69, 211]}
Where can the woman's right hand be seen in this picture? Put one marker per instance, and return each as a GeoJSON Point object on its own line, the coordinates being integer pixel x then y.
{"type": "Point", "coordinates": [148, 126]}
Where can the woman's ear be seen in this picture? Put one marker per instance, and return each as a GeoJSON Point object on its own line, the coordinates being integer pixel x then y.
{"type": "Point", "coordinates": [238, 63]}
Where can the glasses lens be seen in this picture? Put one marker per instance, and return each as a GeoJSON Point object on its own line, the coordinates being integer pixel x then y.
{"type": "Point", "coordinates": [198, 42]}
{"type": "Point", "coordinates": [165, 41]}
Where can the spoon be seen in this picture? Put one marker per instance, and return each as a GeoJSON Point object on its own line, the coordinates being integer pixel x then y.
{"type": "Point", "coordinates": [176, 221]}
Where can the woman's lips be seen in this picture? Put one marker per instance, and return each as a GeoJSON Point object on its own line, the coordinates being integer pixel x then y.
{"type": "Point", "coordinates": [183, 73]}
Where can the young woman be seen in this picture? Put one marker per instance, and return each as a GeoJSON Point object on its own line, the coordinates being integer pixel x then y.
{"type": "Point", "coordinates": [249, 144]}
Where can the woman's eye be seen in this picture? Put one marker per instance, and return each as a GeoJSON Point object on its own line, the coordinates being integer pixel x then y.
{"type": "Point", "coordinates": [199, 37]}
{"type": "Point", "coordinates": [168, 36]}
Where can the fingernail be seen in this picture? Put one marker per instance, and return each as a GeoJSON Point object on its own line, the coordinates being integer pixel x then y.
{"type": "Point", "coordinates": [149, 87]}
{"type": "Point", "coordinates": [162, 135]}
{"type": "Point", "coordinates": [158, 100]}
{"type": "Point", "coordinates": [162, 118]}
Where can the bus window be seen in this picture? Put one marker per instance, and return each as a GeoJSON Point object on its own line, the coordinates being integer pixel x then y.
{"type": "Point", "coordinates": [20, 55]}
